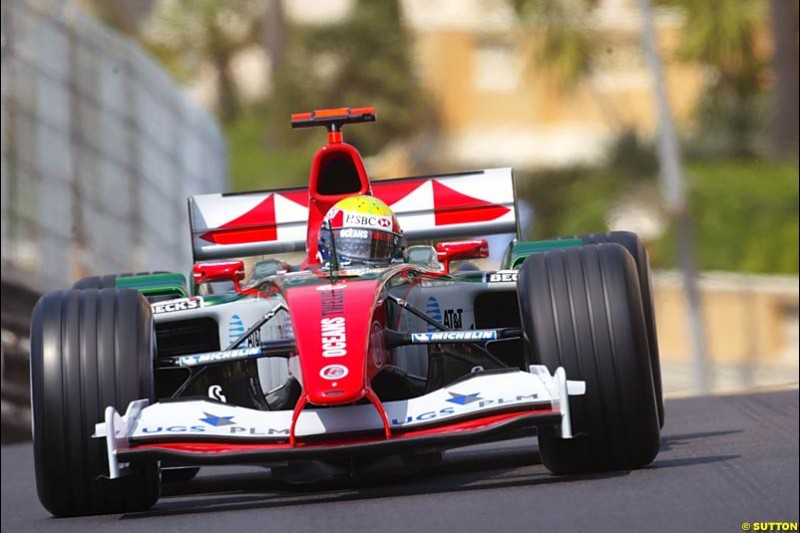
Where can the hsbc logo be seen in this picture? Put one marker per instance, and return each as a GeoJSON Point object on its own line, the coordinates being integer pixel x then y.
{"type": "Point", "coordinates": [371, 221]}
{"type": "Point", "coordinates": [333, 372]}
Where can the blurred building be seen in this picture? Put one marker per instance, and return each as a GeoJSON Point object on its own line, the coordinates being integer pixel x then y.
{"type": "Point", "coordinates": [494, 107]}
{"type": "Point", "coordinates": [476, 60]}
{"type": "Point", "coordinates": [100, 148]}
{"type": "Point", "coordinates": [751, 330]}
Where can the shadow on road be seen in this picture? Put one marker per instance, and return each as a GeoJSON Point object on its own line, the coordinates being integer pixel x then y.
{"type": "Point", "coordinates": [672, 442]}
{"type": "Point", "coordinates": [462, 471]}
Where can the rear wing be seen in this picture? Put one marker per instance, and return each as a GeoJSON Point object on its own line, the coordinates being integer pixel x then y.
{"type": "Point", "coordinates": [469, 204]}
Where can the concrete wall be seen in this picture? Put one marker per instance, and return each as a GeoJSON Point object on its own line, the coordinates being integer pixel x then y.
{"type": "Point", "coordinates": [100, 149]}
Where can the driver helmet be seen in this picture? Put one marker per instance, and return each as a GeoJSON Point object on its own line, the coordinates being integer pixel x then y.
{"type": "Point", "coordinates": [363, 231]}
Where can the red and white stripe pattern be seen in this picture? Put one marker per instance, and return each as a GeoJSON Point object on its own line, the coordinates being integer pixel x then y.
{"type": "Point", "coordinates": [460, 205]}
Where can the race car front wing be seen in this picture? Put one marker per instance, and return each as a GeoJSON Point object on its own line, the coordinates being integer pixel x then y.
{"type": "Point", "coordinates": [481, 407]}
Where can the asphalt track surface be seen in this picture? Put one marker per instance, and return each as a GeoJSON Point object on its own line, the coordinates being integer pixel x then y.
{"type": "Point", "coordinates": [724, 460]}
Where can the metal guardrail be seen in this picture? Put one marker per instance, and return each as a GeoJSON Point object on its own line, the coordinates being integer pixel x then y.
{"type": "Point", "coordinates": [17, 304]}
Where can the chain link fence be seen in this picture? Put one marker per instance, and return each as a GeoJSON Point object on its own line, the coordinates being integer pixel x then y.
{"type": "Point", "coordinates": [100, 150]}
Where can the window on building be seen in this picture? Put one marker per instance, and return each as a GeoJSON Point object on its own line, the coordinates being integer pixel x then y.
{"type": "Point", "coordinates": [496, 67]}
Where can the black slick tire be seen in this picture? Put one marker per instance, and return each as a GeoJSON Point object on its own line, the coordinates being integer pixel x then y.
{"type": "Point", "coordinates": [89, 349]}
{"type": "Point", "coordinates": [581, 309]}
{"type": "Point", "coordinates": [631, 242]}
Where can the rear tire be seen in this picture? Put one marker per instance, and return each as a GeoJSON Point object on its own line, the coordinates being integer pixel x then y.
{"type": "Point", "coordinates": [89, 349]}
{"type": "Point", "coordinates": [581, 309]}
{"type": "Point", "coordinates": [631, 242]}
{"type": "Point", "coordinates": [108, 281]}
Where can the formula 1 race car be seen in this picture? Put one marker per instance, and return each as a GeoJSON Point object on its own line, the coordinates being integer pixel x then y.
{"type": "Point", "coordinates": [385, 338]}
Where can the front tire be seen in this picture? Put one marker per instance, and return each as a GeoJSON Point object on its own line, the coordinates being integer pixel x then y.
{"type": "Point", "coordinates": [89, 349]}
{"type": "Point", "coordinates": [581, 309]}
{"type": "Point", "coordinates": [631, 242]}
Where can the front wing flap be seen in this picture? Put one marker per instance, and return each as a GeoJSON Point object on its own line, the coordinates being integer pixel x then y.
{"type": "Point", "coordinates": [466, 411]}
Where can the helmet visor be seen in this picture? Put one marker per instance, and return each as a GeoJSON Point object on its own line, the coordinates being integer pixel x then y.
{"type": "Point", "coordinates": [366, 245]}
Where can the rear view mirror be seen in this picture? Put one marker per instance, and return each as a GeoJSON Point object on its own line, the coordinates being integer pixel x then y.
{"type": "Point", "coordinates": [423, 255]}
{"type": "Point", "coordinates": [457, 250]}
{"type": "Point", "coordinates": [232, 271]}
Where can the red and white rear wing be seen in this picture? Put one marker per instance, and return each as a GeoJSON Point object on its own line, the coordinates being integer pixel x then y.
{"type": "Point", "coordinates": [470, 204]}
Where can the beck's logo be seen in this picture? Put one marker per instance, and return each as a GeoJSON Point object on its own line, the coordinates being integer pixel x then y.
{"type": "Point", "coordinates": [180, 304]}
{"type": "Point", "coordinates": [502, 276]}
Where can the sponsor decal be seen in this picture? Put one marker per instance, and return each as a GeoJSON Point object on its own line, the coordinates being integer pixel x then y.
{"type": "Point", "coordinates": [332, 302]}
{"type": "Point", "coordinates": [370, 221]}
{"type": "Point", "coordinates": [452, 318]}
{"type": "Point", "coordinates": [236, 430]}
{"type": "Point", "coordinates": [180, 304]}
{"type": "Point", "coordinates": [235, 328]}
{"type": "Point", "coordinates": [174, 429]}
{"type": "Point", "coordinates": [332, 324]}
{"type": "Point", "coordinates": [331, 287]}
{"type": "Point", "coordinates": [434, 311]}
{"type": "Point", "coordinates": [216, 421]}
{"type": "Point", "coordinates": [332, 212]}
{"type": "Point", "coordinates": [519, 398]}
{"type": "Point", "coordinates": [213, 357]}
{"type": "Point", "coordinates": [427, 415]}
{"type": "Point", "coordinates": [454, 336]}
{"type": "Point", "coordinates": [502, 276]}
{"type": "Point", "coordinates": [233, 429]}
{"type": "Point", "coordinates": [437, 283]}
{"type": "Point", "coordinates": [215, 392]}
{"type": "Point", "coordinates": [334, 338]}
{"type": "Point", "coordinates": [333, 372]}
{"type": "Point", "coordinates": [464, 399]}
{"type": "Point", "coordinates": [354, 233]}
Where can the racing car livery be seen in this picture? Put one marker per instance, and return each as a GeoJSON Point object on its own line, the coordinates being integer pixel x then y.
{"type": "Point", "coordinates": [341, 324]}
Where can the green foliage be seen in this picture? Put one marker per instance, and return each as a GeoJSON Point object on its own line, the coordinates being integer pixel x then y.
{"type": "Point", "coordinates": [745, 215]}
{"type": "Point", "coordinates": [745, 212]}
{"type": "Point", "coordinates": [632, 156]}
{"type": "Point", "coordinates": [189, 35]}
{"type": "Point", "coordinates": [254, 165]}
{"type": "Point", "coordinates": [578, 200]}
{"type": "Point", "coordinates": [362, 61]}
{"type": "Point", "coordinates": [722, 35]}
{"type": "Point", "coordinates": [568, 47]}
{"type": "Point", "coordinates": [570, 201]}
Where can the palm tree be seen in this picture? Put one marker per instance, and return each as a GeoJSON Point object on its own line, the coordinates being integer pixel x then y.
{"type": "Point", "coordinates": [784, 119]}
{"type": "Point", "coordinates": [191, 34]}
{"type": "Point", "coordinates": [566, 44]}
{"type": "Point", "coordinates": [722, 36]}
